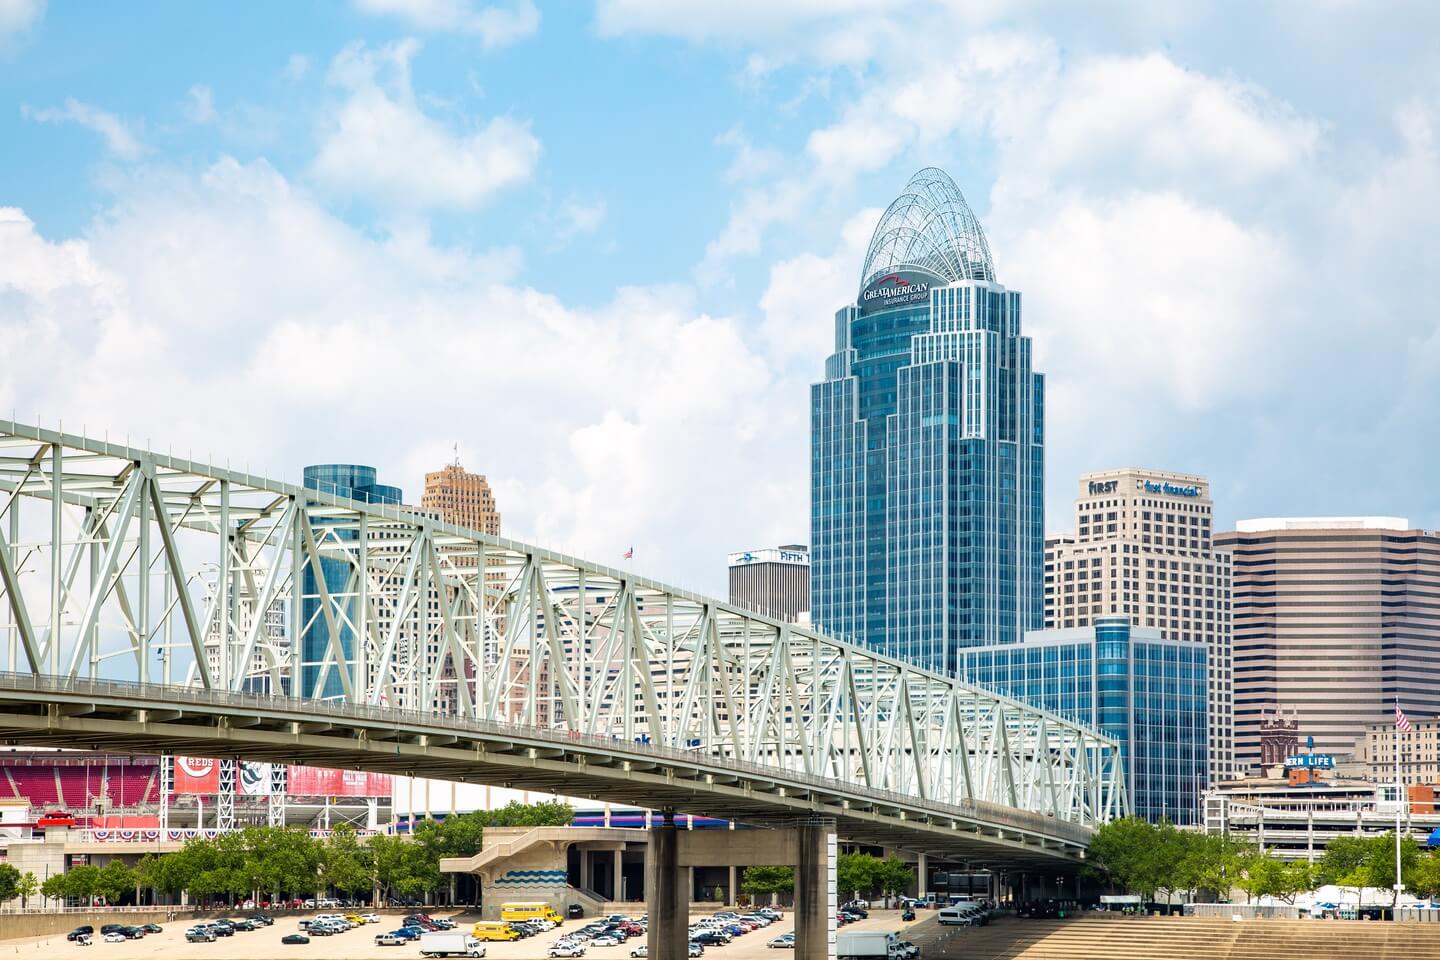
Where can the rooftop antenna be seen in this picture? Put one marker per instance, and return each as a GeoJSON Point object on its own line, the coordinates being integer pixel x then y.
{"type": "Point", "coordinates": [457, 456]}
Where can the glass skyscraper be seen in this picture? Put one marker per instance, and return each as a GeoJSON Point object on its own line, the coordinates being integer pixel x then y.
{"type": "Point", "coordinates": [355, 482]}
{"type": "Point", "coordinates": [1129, 683]}
{"type": "Point", "coordinates": [927, 446]}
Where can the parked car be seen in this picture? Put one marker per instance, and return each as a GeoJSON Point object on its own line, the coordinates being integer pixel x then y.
{"type": "Point", "coordinates": [152, 928]}
{"type": "Point", "coordinates": [79, 932]}
{"type": "Point", "coordinates": [261, 919]}
{"type": "Point", "coordinates": [711, 938]}
{"type": "Point", "coordinates": [115, 936]}
{"type": "Point", "coordinates": [786, 941]}
{"type": "Point", "coordinates": [370, 917]}
{"type": "Point", "coordinates": [296, 938]}
{"type": "Point", "coordinates": [199, 935]}
{"type": "Point", "coordinates": [607, 940]}
{"type": "Point", "coordinates": [568, 950]}
{"type": "Point", "coordinates": [408, 933]}
{"type": "Point", "coordinates": [910, 950]}
{"type": "Point", "coordinates": [134, 933]}
{"type": "Point", "coordinates": [390, 940]}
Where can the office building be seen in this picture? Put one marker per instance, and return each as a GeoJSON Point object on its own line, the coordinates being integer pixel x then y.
{"type": "Point", "coordinates": [1142, 548]}
{"type": "Point", "coordinates": [927, 440]}
{"type": "Point", "coordinates": [461, 498]}
{"type": "Point", "coordinates": [773, 581]}
{"type": "Point", "coordinates": [1128, 682]}
{"type": "Point", "coordinates": [353, 482]}
{"type": "Point", "coordinates": [1419, 751]}
{"type": "Point", "coordinates": [1335, 617]}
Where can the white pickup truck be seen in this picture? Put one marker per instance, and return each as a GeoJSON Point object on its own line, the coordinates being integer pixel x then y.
{"type": "Point", "coordinates": [446, 944]}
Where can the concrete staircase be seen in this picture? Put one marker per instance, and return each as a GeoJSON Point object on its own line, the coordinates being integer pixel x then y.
{"type": "Point", "coordinates": [1170, 938]}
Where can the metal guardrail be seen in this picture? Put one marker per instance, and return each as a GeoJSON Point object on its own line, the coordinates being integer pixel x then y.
{"type": "Point", "coordinates": [162, 695]}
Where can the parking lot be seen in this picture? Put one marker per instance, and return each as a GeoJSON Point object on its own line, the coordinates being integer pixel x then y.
{"type": "Point", "coordinates": [359, 944]}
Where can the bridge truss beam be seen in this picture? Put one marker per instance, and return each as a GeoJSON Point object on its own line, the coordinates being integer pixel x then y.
{"type": "Point", "coordinates": [121, 563]}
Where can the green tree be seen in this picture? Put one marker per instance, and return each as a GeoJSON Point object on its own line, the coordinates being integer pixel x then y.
{"type": "Point", "coordinates": [893, 876]}
{"type": "Point", "coordinates": [1130, 853]}
{"type": "Point", "coordinates": [9, 882]}
{"type": "Point", "coordinates": [83, 882]}
{"type": "Point", "coordinates": [761, 880]}
{"type": "Point", "coordinates": [55, 887]}
{"type": "Point", "coordinates": [345, 864]}
{"type": "Point", "coordinates": [1423, 879]}
{"type": "Point", "coordinates": [1211, 864]}
{"type": "Point", "coordinates": [113, 881]}
{"type": "Point", "coordinates": [856, 873]}
{"type": "Point", "coordinates": [27, 886]}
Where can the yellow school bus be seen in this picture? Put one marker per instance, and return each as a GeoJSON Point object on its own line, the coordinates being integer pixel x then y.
{"type": "Point", "coordinates": [494, 930]}
{"type": "Point", "coordinates": [529, 911]}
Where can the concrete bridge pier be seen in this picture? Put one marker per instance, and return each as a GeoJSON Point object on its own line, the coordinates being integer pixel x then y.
{"type": "Point", "coordinates": [667, 901]}
{"type": "Point", "coordinates": [815, 900]}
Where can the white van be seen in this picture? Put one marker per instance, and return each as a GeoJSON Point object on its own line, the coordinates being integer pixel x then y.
{"type": "Point", "coordinates": [965, 914]}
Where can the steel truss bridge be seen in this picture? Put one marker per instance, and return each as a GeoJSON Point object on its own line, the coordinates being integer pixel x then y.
{"type": "Point", "coordinates": [159, 605]}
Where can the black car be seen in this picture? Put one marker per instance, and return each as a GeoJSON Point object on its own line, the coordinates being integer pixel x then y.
{"type": "Point", "coordinates": [133, 933]}
{"type": "Point", "coordinates": [295, 938]}
{"type": "Point", "coordinates": [574, 911]}
{"type": "Point", "coordinates": [709, 938]}
{"type": "Point", "coordinates": [222, 929]}
{"type": "Point", "coordinates": [856, 912]}
{"type": "Point", "coordinates": [261, 919]}
{"type": "Point", "coordinates": [79, 932]}
{"type": "Point", "coordinates": [152, 928]}
{"type": "Point", "coordinates": [245, 926]}
{"type": "Point", "coordinates": [112, 928]}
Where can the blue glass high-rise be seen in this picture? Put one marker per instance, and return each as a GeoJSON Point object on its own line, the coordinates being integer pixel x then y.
{"type": "Point", "coordinates": [355, 482]}
{"type": "Point", "coordinates": [927, 446]}
{"type": "Point", "coordinates": [1130, 683]}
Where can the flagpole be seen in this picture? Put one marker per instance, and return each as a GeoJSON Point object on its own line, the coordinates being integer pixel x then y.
{"type": "Point", "coordinates": [1399, 792]}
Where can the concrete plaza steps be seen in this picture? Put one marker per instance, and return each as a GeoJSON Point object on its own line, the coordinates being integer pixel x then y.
{"type": "Point", "coordinates": [1169, 938]}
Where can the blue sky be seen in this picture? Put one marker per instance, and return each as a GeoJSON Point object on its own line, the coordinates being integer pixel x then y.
{"type": "Point", "coordinates": [599, 246]}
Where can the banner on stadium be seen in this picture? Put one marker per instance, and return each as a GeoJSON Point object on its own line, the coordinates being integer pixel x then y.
{"type": "Point", "coordinates": [255, 779]}
{"type": "Point", "coordinates": [196, 775]}
{"type": "Point", "coordinates": [325, 782]}
{"type": "Point", "coordinates": [201, 775]}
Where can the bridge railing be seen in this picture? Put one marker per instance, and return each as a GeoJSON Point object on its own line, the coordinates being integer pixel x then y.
{"type": "Point", "coordinates": [160, 696]}
{"type": "Point", "coordinates": [117, 562]}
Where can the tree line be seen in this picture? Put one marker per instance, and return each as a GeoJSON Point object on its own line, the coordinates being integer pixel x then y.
{"type": "Point", "coordinates": [286, 863]}
{"type": "Point", "coordinates": [1156, 860]}
{"type": "Point", "coordinates": [855, 874]}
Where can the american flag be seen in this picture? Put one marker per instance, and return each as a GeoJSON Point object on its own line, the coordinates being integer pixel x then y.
{"type": "Point", "coordinates": [1402, 722]}
{"type": "Point", "coordinates": [630, 554]}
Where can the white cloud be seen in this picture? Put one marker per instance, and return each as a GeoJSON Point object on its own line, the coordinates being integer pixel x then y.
{"type": "Point", "coordinates": [495, 25]}
{"type": "Point", "coordinates": [296, 66]}
{"type": "Point", "coordinates": [17, 17]}
{"type": "Point", "coordinates": [379, 143]}
{"type": "Point", "coordinates": [803, 288]}
{"type": "Point", "coordinates": [576, 218]}
{"type": "Point", "coordinates": [200, 108]}
{"type": "Point", "coordinates": [229, 314]}
{"type": "Point", "coordinates": [119, 139]}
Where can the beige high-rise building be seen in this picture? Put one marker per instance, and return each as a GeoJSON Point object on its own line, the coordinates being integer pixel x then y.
{"type": "Point", "coordinates": [461, 498]}
{"type": "Point", "coordinates": [1142, 547]}
{"type": "Point", "coordinates": [1335, 617]}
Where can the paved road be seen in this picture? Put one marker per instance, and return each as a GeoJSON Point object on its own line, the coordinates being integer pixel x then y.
{"type": "Point", "coordinates": [359, 944]}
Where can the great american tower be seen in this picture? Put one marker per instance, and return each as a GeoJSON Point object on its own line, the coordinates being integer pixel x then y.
{"type": "Point", "coordinates": [927, 445]}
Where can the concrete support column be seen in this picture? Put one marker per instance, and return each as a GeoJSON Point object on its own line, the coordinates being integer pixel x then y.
{"type": "Point", "coordinates": [815, 891]}
{"type": "Point", "coordinates": [617, 891]}
{"type": "Point", "coordinates": [922, 876]}
{"type": "Point", "coordinates": [665, 902]}
{"type": "Point", "coordinates": [587, 878]}
{"type": "Point", "coordinates": [734, 888]}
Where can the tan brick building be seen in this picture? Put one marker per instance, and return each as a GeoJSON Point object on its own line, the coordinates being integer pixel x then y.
{"type": "Point", "coordinates": [1335, 617]}
{"type": "Point", "coordinates": [1142, 547]}
{"type": "Point", "coordinates": [461, 498]}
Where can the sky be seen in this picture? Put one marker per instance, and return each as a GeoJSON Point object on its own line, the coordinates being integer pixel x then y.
{"type": "Point", "coordinates": [598, 247]}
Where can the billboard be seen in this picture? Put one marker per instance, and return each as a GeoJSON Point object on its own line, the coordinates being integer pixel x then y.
{"type": "Point", "coordinates": [201, 775]}
{"type": "Point", "coordinates": [325, 782]}
{"type": "Point", "coordinates": [196, 775]}
{"type": "Point", "coordinates": [255, 779]}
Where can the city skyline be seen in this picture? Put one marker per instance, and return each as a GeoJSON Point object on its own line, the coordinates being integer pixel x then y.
{"type": "Point", "coordinates": [370, 198]}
